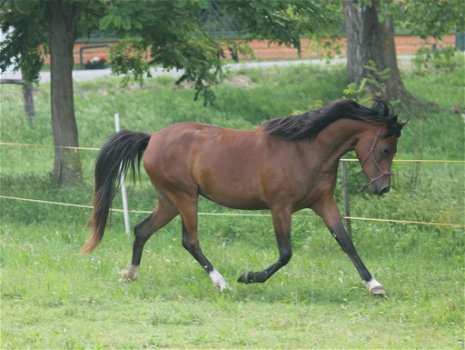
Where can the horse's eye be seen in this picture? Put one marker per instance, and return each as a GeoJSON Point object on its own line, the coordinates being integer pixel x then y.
{"type": "Point", "coordinates": [386, 150]}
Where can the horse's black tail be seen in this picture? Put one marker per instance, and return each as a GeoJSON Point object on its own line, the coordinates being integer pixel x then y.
{"type": "Point", "coordinates": [122, 151]}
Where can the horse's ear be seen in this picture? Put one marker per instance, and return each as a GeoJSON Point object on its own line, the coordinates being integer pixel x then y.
{"type": "Point", "coordinates": [403, 123]}
{"type": "Point", "coordinates": [397, 125]}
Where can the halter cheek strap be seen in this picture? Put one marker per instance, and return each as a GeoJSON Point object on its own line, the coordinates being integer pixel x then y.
{"type": "Point", "coordinates": [371, 154]}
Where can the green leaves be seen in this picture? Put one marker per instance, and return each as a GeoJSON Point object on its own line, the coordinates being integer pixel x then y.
{"type": "Point", "coordinates": [172, 33]}
{"type": "Point", "coordinates": [25, 24]}
{"type": "Point", "coordinates": [373, 85]}
{"type": "Point", "coordinates": [120, 18]}
{"type": "Point", "coordinates": [24, 29]}
{"type": "Point", "coordinates": [438, 60]}
{"type": "Point", "coordinates": [129, 57]}
{"type": "Point", "coordinates": [425, 18]}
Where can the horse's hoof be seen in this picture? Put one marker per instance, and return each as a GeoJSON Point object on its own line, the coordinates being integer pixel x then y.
{"type": "Point", "coordinates": [246, 277]}
{"type": "Point", "coordinates": [375, 287]}
{"type": "Point", "coordinates": [378, 291]}
{"type": "Point", "coordinates": [129, 275]}
{"type": "Point", "coordinates": [125, 277]}
{"type": "Point", "coordinates": [218, 280]}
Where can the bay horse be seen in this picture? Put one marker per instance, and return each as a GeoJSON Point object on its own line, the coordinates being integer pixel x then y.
{"type": "Point", "coordinates": [284, 165]}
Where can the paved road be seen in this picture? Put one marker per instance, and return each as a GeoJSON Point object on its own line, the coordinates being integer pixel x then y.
{"type": "Point", "coordinates": [85, 75]}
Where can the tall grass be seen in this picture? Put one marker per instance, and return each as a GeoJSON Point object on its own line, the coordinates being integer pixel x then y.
{"type": "Point", "coordinates": [53, 297]}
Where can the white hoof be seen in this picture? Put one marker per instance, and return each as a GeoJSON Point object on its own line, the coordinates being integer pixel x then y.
{"type": "Point", "coordinates": [129, 275]}
{"type": "Point", "coordinates": [375, 287]}
{"type": "Point", "coordinates": [218, 280]}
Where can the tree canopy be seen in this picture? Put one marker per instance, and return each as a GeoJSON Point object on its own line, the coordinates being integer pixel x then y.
{"type": "Point", "coordinates": [174, 34]}
{"type": "Point", "coordinates": [425, 18]}
{"type": "Point", "coordinates": [25, 25]}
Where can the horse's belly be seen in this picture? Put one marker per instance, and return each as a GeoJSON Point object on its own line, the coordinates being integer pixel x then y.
{"type": "Point", "coordinates": [232, 194]}
{"type": "Point", "coordinates": [238, 203]}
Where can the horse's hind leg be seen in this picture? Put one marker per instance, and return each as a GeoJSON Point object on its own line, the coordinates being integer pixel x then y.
{"type": "Point", "coordinates": [282, 227]}
{"type": "Point", "coordinates": [188, 211]}
{"type": "Point", "coordinates": [162, 215]}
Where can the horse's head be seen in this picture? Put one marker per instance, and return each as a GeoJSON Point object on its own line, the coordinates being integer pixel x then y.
{"type": "Point", "coordinates": [375, 151]}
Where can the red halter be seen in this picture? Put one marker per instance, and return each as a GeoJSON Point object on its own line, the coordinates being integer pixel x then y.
{"type": "Point", "coordinates": [371, 153]}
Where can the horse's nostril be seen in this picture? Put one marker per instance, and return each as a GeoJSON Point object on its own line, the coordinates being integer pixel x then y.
{"type": "Point", "coordinates": [385, 190]}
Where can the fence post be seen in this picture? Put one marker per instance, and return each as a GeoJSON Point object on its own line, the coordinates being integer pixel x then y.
{"type": "Point", "coordinates": [27, 95]}
{"type": "Point", "coordinates": [123, 188]}
{"type": "Point", "coordinates": [345, 198]}
{"type": "Point", "coordinates": [28, 101]}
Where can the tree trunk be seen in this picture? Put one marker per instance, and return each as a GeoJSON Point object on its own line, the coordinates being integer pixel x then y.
{"type": "Point", "coordinates": [62, 20]}
{"type": "Point", "coordinates": [368, 39]}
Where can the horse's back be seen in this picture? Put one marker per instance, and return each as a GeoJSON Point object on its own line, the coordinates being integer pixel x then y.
{"type": "Point", "coordinates": [221, 164]}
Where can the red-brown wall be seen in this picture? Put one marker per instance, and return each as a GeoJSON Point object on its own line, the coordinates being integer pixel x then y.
{"type": "Point", "coordinates": [405, 45]}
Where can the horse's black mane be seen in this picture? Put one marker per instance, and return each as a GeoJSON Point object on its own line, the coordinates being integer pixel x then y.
{"type": "Point", "coordinates": [310, 124]}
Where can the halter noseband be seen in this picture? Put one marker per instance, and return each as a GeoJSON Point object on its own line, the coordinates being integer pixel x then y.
{"type": "Point", "coordinates": [371, 153]}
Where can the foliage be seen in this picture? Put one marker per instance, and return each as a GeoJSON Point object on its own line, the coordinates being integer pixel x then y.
{"type": "Point", "coordinates": [357, 92]}
{"type": "Point", "coordinates": [443, 59]}
{"type": "Point", "coordinates": [25, 26]}
{"type": "Point", "coordinates": [370, 87]}
{"type": "Point", "coordinates": [23, 46]}
{"type": "Point", "coordinates": [172, 32]}
{"type": "Point", "coordinates": [128, 57]}
{"type": "Point", "coordinates": [427, 17]}
{"type": "Point", "coordinates": [379, 18]}
{"type": "Point", "coordinates": [429, 82]}
{"type": "Point", "coordinates": [376, 78]}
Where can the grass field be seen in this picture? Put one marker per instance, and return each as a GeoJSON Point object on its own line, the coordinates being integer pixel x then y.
{"type": "Point", "coordinates": [52, 297]}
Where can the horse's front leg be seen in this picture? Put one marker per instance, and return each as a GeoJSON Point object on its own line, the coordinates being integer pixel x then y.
{"type": "Point", "coordinates": [282, 228]}
{"type": "Point", "coordinates": [329, 212]}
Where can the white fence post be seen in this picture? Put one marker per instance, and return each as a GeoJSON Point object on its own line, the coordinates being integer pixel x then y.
{"type": "Point", "coordinates": [123, 188]}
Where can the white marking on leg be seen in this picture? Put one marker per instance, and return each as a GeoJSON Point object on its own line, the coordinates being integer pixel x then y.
{"type": "Point", "coordinates": [375, 287]}
{"type": "Point", "coordinates": [218, 280]}
{"type": "Point", "coordinates": [130, 275]}
{"type": "Point", "coordinates": [134, 272]}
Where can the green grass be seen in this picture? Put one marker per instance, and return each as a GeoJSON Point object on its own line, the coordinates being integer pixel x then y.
{"type": "Point", "coordinates": [61, 299]}
{"type": "Point", "coordinates": [52, 297]}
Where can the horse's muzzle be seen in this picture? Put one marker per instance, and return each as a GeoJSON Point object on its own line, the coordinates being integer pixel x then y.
{"type": "Point", "coordinates": [384, 190]}
{"type": "Point", "coordinates": [379, 189]}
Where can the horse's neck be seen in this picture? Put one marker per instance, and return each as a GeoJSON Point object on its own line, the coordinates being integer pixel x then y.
{"type": "Point", "coordinates": [339, 138]}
